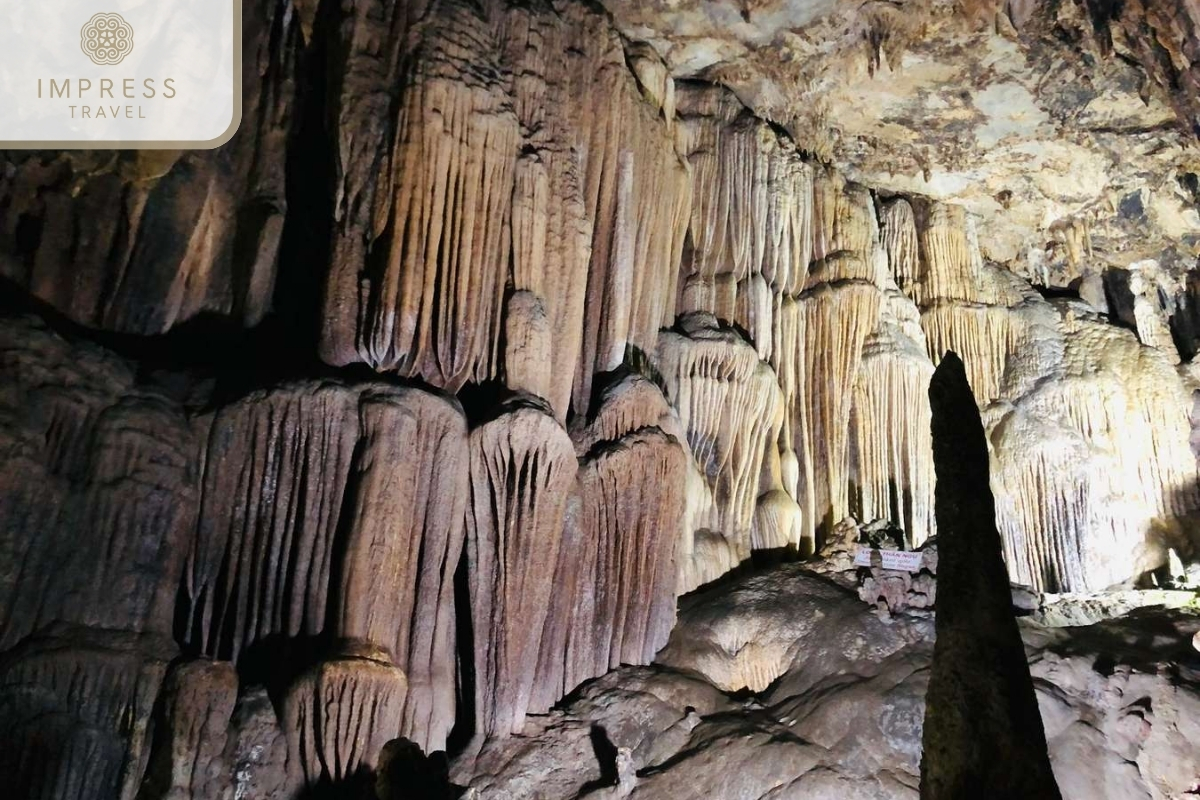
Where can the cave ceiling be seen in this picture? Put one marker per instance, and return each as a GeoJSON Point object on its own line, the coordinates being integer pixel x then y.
{"type": "Point", "coordinates": [1069, 136]}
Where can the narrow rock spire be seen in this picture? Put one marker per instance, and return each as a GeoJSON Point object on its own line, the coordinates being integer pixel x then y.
{"type": "Point", "coordinates": [983, 733]}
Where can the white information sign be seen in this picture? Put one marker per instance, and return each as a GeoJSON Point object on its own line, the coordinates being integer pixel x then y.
{"type": "Point", "coordinates": [907, 560]}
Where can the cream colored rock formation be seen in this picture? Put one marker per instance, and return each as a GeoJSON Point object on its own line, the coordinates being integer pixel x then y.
{"type": "Point", "coordinates": [500, 326]}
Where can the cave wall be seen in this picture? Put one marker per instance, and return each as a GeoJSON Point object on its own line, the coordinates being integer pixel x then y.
{"type": "Point", "coordinates": [530, 340]}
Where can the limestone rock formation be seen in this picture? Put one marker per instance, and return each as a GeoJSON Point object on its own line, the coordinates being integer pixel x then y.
{"type": "Point", "coordinates": [981, 716]}
{"type": "Point", "coordinates": [522, 469]}
{"type": "Point", "coordinates": [625, 525]}
{"type": "Point", "coordinates": [144, 241]}
{"type": "Point", "coordinates": [77, 703]}
{"type": "Point", "coordinates": [340, 714]}
{"type": "Point", "coordinates": [192, 730]}
{"type": "Point", "coordinates": [825, 729]}
{"type": "Point", "coordinates": [358, 537]}
{"type": "Point", "coordinates": [385, 441]}
{"type": "Point", "coordinates": [730, 406]}
{"type": "Point", "coordinates": [100, 489]}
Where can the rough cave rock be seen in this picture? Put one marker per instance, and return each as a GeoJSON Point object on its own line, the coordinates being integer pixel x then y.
{"type": "Point", "coordinates": [532, 401]}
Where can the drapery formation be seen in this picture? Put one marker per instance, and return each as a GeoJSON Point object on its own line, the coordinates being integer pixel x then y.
{"type": "Point", "coordinates": [589, 339]}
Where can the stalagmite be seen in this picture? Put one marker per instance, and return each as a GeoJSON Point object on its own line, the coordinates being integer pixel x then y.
{"type": "Point", "coordinates": [522, 469]}
{"type": "Point", "coordinates": [197, 705]}
{"type": "Point", "coordinates": [256, 751]}
{"type": "Point", "coordinates": [983, 733]}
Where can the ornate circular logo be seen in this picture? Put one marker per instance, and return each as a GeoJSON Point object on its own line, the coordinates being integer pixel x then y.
{"type": "Point", "coordinates": [106, 38]}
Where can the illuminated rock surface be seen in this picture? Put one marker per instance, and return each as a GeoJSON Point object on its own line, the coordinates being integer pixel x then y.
{"type": "Point", "coordinates": [508, 344]}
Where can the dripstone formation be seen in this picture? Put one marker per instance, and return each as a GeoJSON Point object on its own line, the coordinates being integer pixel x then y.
{"type": "Point", "coordinates": [981, 714]}
{"type": "Point", "coordinates": [401, 423]}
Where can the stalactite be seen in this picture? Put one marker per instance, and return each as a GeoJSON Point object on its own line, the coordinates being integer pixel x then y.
{"type": "Point", "coordinates": [617, 566]}
{"type": "Point", "coordinates": [470, 178]}
{"type": "Point", "coordinates": [731, 171]}
{"type": "Point", "coordinates": [637, 191]}
{"type": "Point", "coordinates": [950, 265]}
{"type": "Point", "coordinates": [1093, 467]}
{"type": "Point", "coordinates": [522, 469]}
{"type": "Point", "coordinates": [899, 228]}
{"type": "Point", "coordinates": [1042, 479]}
{"type": "Point", "coordinates": [966, 307]}
{"type": "Point", "coordinates": [728, 402]}
{"type": "Point", "coordinates": [985, 336]}
{"type": "Point", "coordinates": [77, 704]}
{"type": "Point", "coordinates": [277, 466]}
{"type": "Point", "coordinates": [632, 502]}
{"type": "Point", "coordinates": [86, 448]}
{"type": "Point", "coordinates": [552, 232]}
{"type": "Point", "coordinates": [1151, 315]}
{"type": "Point", "coordinates": [890, 425]}
{"type": "Point", "coordinates": [837, 318]}
{"type": "Point", "coordinates": [844, 222]}
{"type": "Point", "coordinates": [786, 349]}
{"type": "Point", "coordinates": [336, 509]}
{"type": "Point", "coordinates": [528, 342]}
{"type": "Point", "coordinates": [429, 304]}
{"type": "Point", "coordinates": [751, 222]}
{"type": "Point", "coordinates": [499, 197]}
{"type": "Point", "coordinates": [143, 241]}
{"type": "Point", "coordinates": [340, 713]}
{"type": "Point", "coordinates": [403, 537]}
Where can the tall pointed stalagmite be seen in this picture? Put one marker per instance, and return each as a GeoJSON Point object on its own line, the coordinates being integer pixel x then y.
{"type": "Point", "coordinates": [983, 734]}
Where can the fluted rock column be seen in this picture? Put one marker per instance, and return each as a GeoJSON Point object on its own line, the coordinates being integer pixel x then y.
{"type": "Point", "coordinates": [614, 598]}
{"type": "Point", "coordinates": [77, 705]}
{"type": "Point", "coordinates": [402, 538]}
{"type": "Point", "coordinates": [522, 469]}
{"type": "Point", "coordinates": [99, 478]}
{"type": "Point", "coordinates": [196, 708]}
